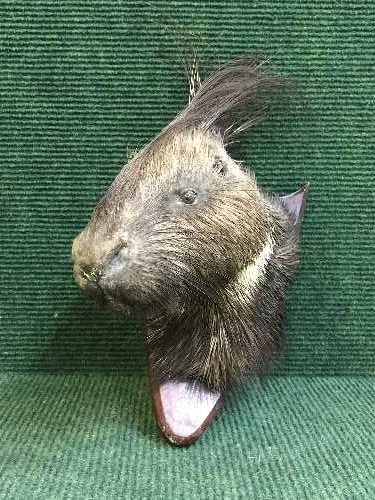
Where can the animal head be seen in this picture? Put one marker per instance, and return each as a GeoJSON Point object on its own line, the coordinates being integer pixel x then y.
{"type": "Point", "coordinates": [184, 225]}
{"type": "Point", "coordinates": [182, 216]}
{"type": "Point", "coordinates": [192, 221]}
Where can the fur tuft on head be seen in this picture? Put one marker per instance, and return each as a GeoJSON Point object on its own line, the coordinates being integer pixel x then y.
{"type": "Point", "coordinates": [234, 98]}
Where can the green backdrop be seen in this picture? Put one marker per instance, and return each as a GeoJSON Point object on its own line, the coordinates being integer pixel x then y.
{"type": "Point", "coordinates": [82, 85]}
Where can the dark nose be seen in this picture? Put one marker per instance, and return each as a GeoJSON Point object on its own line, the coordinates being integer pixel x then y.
{"type": "Point", "coordinates": [94, 292]}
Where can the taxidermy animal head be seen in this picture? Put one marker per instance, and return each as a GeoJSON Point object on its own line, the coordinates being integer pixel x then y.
{"type": "Point", "coordinates": [186, 239]}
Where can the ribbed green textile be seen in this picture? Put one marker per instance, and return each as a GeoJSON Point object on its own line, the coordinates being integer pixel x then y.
{"type": "Point", "coordinates": [94, 437]}
{"type": "Point", "coordinates": [85, 83]}
{"type": "Point", "coordinates": [82, 85]}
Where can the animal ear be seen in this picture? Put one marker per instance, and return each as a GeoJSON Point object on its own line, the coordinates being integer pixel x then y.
{"type": "Point", "coordinates": [295, 202]}
{"type": "Point", "coordinates": [234, 98]}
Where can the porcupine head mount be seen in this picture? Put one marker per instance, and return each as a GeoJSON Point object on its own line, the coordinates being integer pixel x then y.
{"type": "Point", "coordinates": [186, 240]}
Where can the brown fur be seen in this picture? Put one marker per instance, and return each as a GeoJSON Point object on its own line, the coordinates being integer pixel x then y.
{"type": "Point", "coordinates": [209, 277]}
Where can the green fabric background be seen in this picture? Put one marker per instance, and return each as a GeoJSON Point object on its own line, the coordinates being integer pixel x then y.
{"type": "Point", "coordinates": [82, 85]}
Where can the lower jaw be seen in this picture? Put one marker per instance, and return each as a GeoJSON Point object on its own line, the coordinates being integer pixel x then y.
{"type": "Point", "coordinates": [137, 311]}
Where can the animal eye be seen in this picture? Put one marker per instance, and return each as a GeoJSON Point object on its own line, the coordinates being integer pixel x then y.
{"type": "Point", "coordinates": [188, 196]}
{"type": "Point", "coordinates": [220, 166]}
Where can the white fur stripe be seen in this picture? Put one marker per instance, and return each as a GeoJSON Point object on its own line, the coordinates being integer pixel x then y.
{"type": "Point", "coordinates": [253, 273]}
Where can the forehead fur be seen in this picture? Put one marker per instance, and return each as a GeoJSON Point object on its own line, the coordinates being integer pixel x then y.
{"type": "Point", "coordinates": [187, 145]}
{"type": "Point", "coordinates": [189, 150]}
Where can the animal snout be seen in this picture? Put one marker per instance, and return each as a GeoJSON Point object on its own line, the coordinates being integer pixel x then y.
{"type": "Point", "coordinates": [99, 273]}
{"type": "Point", "coordinates": [88, 281]}
{"type": "Point", "coordinates": [80, 275]}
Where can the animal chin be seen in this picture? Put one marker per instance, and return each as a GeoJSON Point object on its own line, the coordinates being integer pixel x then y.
{"type": "Point", "coordinates": [119, 307]}
{"type": "Point", "coordinates": [94, 292]}
{"type": "Point", "coordinates": [126, 305]}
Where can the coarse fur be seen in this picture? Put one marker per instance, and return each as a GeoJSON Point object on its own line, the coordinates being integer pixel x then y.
{"type": "Point", "coordinates": [186, 239]}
